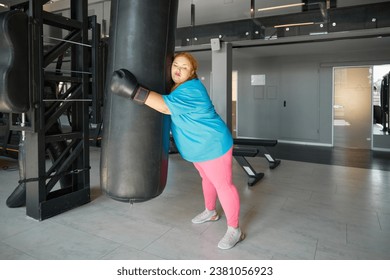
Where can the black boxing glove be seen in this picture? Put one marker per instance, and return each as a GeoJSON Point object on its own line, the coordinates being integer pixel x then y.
{"type": "Point", "coordinates": [125, 84]}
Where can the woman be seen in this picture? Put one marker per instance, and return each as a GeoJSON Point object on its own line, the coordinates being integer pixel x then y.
{"type": "Point", "coordinates": [201, 137]}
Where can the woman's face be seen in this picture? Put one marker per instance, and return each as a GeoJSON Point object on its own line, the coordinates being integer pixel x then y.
{"type": "Point", "coordinates": [181, 70]}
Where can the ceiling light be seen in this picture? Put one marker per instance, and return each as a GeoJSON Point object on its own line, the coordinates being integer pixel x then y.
{"type": "Point", "coordinates": [3, 5]}
{"type": "Point", "coordinates": [294, 24]}
{"type": "Point", "coordinates": [280, 7]}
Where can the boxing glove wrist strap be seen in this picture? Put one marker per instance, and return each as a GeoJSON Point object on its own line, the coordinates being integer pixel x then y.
{"type": "Point", "coordinates": [141, 95]}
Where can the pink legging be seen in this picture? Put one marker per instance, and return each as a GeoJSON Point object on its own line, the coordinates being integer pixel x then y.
{"type": "Point", "coordinates": [217, 181]}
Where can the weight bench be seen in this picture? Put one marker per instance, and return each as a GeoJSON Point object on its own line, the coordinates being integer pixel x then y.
{"type": "Point", "coordinates": [250, 148]}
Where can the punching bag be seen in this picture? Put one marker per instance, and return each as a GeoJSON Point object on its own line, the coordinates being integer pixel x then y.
{"type": "Point", "coordinates": [135, 139]}
{"type": "Point", "coordinates": [14, 75]}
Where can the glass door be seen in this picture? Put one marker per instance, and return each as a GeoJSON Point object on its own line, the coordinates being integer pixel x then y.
{"type": "Point", "coordinates": [352, 107]}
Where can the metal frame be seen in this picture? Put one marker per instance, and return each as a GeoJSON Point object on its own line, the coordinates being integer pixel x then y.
{"type": "Point", "coordinates": [97, 70]}
{"type": "Point", "coordinates": [244, 147]}
{"type": "Point", "coordinates": [43, 200]}
{"type": "Point", "coordinates": [97, 78]}
{"type": "Point", "coordinates": [361, 17]}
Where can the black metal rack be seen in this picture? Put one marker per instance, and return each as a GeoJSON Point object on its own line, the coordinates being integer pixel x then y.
{"type": "Point", "coordinates": [43, 197]}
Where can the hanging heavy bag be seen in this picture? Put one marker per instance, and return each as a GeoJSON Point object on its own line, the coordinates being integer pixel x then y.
{"type": "Point", "coordinates": [14, 81]}
{"type": "Point", "coordinates": [135, 139]}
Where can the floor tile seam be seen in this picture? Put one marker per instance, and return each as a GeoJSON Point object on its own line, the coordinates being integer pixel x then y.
{"type": "Point", "coordinates": [315, 236]}
{"type": "Point", "coordinates": [244, 218]}
{"type": "Point", "coordinates": [327, 218]}
{"type": "Point", "coordinates": [340, 211]}
{"type": "Point", "coordinates": [156, 239]}
{"type": "Point", "coordinates": [282, 207]}
{"type": "Point", "coordinates": [373, 253]}
{"type": "Point", "coordinates": [113, 250]}
{"type": "Point", "coordinates": [379, 230]}
{"type": "Point", "coordinates": [21, 232]}
{"type": "Point", "coordinates": [359, 185]}
{"type": "Point", "coordinates": [283, 186]}
{"type": "Point", "coordinates": [366, 249]}
{"type": "Point", "coordinates": [91, 233]}
{"type": "Point", "coordinates": [351, 207]}
{"type": "Point", "coordinates": [343, 189]}
{"type": "Point", "coordinates": [379, 220]}
{"type": "Point", "coordinates": [315, 251]}
{"type": "Point", "coordinates": [277, 195]}
{"type": "Point", "coordinates": [17, 249]}
{"type": "Point", "coordinates": [118, 244]}
{"type": "Point", "coordinates": [358, 253]}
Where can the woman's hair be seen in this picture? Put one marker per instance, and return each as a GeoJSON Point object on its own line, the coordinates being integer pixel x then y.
{"type": "Point", "coordinates": [193, 62]}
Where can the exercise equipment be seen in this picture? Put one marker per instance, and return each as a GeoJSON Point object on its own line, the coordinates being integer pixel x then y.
{"type": "Point", "coordinates": [135, 140]}
{"type": "Point", "coordinates": [251, 148]}
{"type": "Point", "coordinates": [14, 75]}
{"type": "Point", "coordinates": [42, 197]}
{"type": "Point", "coordinates": [55, 150]}
{"type": "Point", "coordinates": [385, 96]}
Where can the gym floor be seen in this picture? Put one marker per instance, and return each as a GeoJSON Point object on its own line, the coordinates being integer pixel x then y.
{"type": "Point", "coordinates": [301, 210]}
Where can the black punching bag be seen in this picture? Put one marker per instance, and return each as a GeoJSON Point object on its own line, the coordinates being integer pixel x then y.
{"type": "Point", "coordinates": [135, 141]}
{"type": "Point", "coordinates": [14, 83]}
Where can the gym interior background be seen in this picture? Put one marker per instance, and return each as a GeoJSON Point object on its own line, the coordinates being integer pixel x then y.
{"type": "Point", "coordinates": [311, 75]}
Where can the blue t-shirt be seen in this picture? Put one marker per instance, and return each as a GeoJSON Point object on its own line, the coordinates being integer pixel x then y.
{"type": "Point", "coordinates": [199, 132]}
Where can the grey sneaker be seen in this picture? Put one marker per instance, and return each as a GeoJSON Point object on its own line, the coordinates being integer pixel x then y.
{"type": "Point", "coordinates": [231, 238]}
{"type": "Point", "coordinates": [206, 216]}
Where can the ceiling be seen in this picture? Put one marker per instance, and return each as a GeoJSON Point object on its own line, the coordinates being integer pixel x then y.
{"type": "Point", "coordinates": [207, 11]}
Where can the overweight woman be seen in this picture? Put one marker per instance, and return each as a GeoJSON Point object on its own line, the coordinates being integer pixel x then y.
{"type": "Point", "coordinates": [201, 137]}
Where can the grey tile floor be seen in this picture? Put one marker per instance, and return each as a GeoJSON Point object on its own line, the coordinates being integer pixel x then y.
{"type": "Point", "coordinates": [299, 210]}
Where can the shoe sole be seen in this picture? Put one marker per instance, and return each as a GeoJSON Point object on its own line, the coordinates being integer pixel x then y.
{"type": "Point", "coordinates": [213, 219]}
{"type": "Point", "coordinates": [242, 237]}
